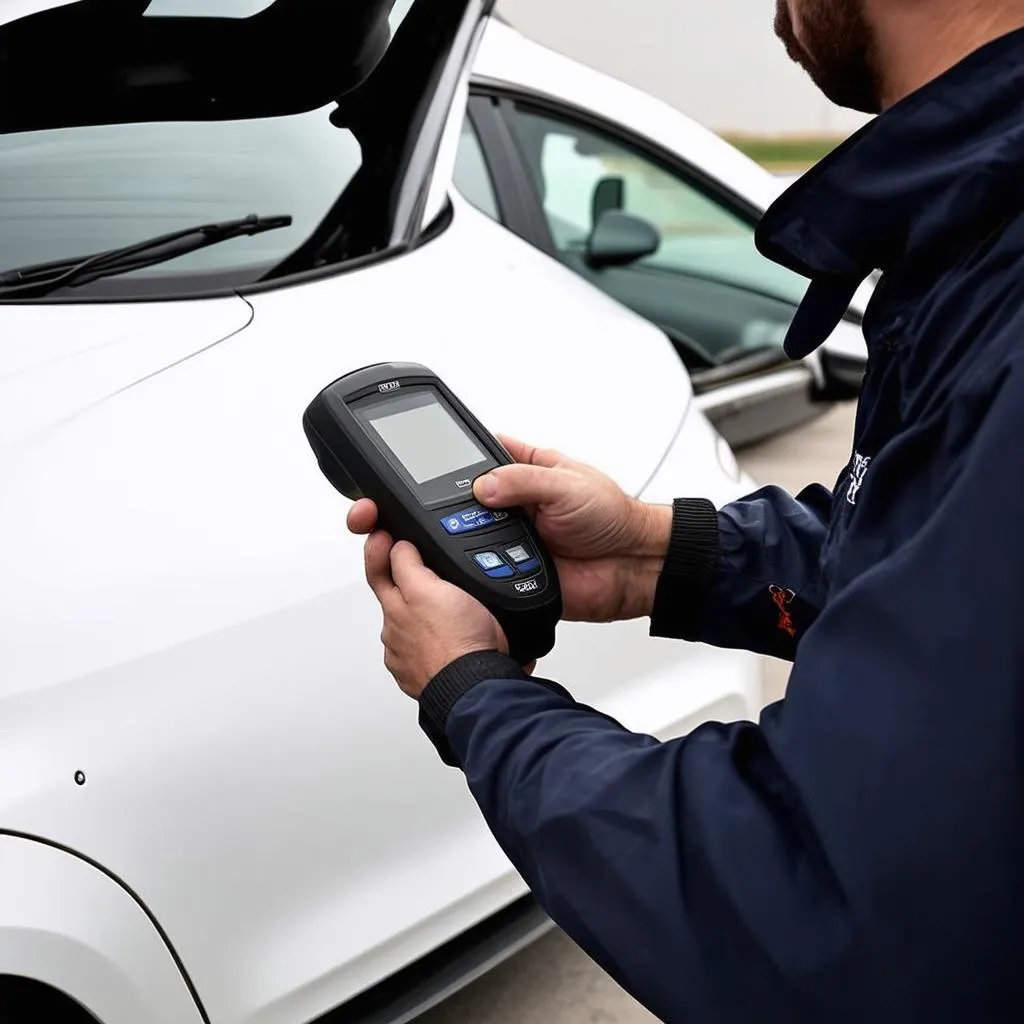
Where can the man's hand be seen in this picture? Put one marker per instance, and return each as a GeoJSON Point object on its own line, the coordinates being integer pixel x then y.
{"type": "Point", "coordinates": [609, 547]}
{"type": "Point", "coordinates": [427, 623]}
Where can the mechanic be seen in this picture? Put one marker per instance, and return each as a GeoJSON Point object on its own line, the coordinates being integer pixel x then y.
{"type": "Point", "coordinates": [857, 855]}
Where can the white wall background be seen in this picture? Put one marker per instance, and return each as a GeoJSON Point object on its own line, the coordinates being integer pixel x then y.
{"type": "Point", "coordinates": [717, 60]}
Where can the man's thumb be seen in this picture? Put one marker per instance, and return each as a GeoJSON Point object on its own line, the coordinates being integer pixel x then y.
{"type": "Point", "coordinates": [519, 484]}
{"type": "Point", "coordinates": [407, 566]}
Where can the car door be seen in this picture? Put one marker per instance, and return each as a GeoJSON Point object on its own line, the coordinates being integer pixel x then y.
{"type": "Point", "coordinates": [553, 175]}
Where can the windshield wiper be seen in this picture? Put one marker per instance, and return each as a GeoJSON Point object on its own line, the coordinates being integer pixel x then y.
{"type": "Point", "coordinates": [42, 278]}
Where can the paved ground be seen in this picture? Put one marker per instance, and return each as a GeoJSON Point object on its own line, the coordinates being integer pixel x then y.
{"type": "Point", "coordinates": [553, 982]}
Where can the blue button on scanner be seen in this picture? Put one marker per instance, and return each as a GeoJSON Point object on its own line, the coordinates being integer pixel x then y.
{"type": "Point", "coordinates": [531, 566]}
{"type": "Point", "coordinates": [452, 524]}
{"type": "Point", "coordinates": [469, 519]}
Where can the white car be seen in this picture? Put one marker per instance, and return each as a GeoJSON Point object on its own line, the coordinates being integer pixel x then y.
{"type": "Point", "coordinates": [215, 805]}
{"type": "Point", "coordinates": [659, 213]}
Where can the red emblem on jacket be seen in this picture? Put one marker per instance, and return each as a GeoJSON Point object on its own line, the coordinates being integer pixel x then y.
{"type": "Point", "coordinates": [782, 599]}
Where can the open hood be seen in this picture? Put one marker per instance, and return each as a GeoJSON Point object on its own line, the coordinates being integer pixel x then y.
{"type": "Point", "coordinates": [182, 60]}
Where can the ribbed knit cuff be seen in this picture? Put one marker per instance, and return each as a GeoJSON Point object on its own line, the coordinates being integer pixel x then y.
{"type": "Point", "coordinates": [452, 683]}
{"type": "Point", "coordinates": [680, 597]}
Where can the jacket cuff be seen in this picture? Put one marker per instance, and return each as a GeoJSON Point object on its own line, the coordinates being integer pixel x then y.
{"type": "Point", "coordinates": [681, 595]}
{"type": "Point", "coordinates": [452, 683]}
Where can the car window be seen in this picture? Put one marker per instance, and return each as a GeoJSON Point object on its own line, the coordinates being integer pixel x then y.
{"type": "Point", "coordinates": [86, 186]}
{"type": "Point", "coordinates": [472, 177]}
{"type": "Point", "coordinates": [706, 279]}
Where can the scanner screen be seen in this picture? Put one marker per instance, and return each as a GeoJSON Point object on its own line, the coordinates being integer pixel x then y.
{"type": "Point", "coordinates": [426, 439]}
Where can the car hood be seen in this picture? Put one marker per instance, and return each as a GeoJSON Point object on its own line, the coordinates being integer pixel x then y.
{"type": "Point", "coordinates": [57, 360]}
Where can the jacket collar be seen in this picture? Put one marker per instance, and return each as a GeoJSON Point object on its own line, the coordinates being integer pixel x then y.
{"type": "Point", "coordinates": [936, 165]}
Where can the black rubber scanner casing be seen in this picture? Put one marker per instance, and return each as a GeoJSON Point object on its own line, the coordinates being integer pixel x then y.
{"type": "Point", "coordinates": [527, 603]}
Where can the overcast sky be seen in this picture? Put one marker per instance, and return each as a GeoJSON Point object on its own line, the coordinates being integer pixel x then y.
{"type": "Point", "coordinates": [715, 59]}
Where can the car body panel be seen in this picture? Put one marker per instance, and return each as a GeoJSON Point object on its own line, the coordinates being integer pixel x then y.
{"type": "Point", "coordinates": [183, 615]}
{"type": "Point", "coordinates": [59, 360]}
{"type": "Point", "coordinates": [63, 918]}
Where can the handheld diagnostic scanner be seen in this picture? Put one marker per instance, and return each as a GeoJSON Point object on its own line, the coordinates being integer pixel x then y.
{"type": "Point", "coordinates": [394, 433]}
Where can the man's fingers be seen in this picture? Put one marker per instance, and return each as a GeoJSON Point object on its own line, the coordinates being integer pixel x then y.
{"type": "Point", "coordinates": [362, 517]}
{"type": "Point", "coordinates": [407, 568]}
{"type": "Point", "coordinates": [507, 486]}
{"type": "Point", "coordinates": [377, 559]}
{"type": "Point", "coordinates": [530, 482]}
{"type": "Point", "coordinates": [529, 454]}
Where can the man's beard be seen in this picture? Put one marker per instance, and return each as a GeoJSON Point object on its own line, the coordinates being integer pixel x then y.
{"type": "Point", "coordinates": [837, 50]}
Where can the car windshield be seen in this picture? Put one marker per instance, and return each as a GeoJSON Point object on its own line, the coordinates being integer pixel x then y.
{"type": "Point", "coordinates": [81, 190]}
{"type": "Point", "coordinates": [73, 190]}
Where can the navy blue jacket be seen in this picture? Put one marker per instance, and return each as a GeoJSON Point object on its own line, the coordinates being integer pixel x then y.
{"type": "Point", "coordinates": [858, 855]}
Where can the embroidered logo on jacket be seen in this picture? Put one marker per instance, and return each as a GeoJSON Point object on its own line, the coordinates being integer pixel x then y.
{"type": "Point", "coordinates": [782, 599]}
{"type": "Point", "coordinates": [857, 471]}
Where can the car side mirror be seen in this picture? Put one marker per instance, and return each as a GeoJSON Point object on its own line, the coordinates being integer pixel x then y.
{"type": "Point", "coordinates": [609, 194]}
{"type": "Point", "coordinates": [619, 239]}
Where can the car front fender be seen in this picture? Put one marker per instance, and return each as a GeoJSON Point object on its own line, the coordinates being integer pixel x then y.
{"type": "Point", "coordinates": [66, 923]}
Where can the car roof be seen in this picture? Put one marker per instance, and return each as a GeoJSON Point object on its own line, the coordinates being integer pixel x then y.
{"type": "Point", "coordinates": [509, 59]}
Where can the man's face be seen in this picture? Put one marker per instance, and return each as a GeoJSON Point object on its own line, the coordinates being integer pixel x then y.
{"type": "Point", "coordinates": [832, 41]}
